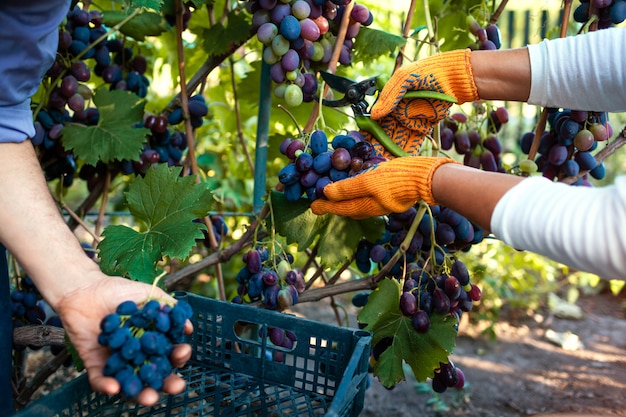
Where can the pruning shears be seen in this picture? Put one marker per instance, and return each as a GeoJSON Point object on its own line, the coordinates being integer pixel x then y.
{"type": "Point", "coordinates": [354, 94]}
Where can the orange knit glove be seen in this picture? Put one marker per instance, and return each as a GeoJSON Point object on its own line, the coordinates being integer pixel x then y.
{"type": "Point", "coordinates": [390, 187]}
{"type": "Point", "coordinates": [408, 120]}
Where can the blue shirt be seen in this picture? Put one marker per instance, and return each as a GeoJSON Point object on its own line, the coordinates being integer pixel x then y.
{"type": "Point", "coordinates": [28, 45]}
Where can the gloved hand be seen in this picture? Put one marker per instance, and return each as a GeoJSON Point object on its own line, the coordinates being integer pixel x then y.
{"type": "Point", "coordinates": [389, 187]}
{"type": "Point", "coordinates": [408, 120]}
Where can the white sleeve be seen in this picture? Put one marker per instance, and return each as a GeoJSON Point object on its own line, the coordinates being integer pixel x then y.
{"type": "Point", "coordinates": [581, 72]}
{"type": "Point", "coordinates": [582, 227]}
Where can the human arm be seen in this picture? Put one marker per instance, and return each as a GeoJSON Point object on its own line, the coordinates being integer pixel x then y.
{"type": "Point", "coordinates": [31, 226]}
{"type": "Point", "coordinates": [33, 230]}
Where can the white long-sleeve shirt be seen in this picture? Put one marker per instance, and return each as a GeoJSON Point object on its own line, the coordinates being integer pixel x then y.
{"type": "Point", "coordinates": [582, 227]}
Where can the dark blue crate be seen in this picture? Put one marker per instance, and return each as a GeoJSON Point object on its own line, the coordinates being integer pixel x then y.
{"type": "Point", "coordinates": [232, 372]}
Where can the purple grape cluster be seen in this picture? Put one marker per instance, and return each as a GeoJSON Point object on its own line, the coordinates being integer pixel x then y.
{"type": "Point", "coordinates": [566, 147]}
{"type": "Point", "coordinates": [299, 38]}
{"type": "Point", "coordinates": [315, 164]}
{"type": "Point", "coordinates": [609, 12]}
{"type": "Point", "coordinates": [451, 231]}
{"type": "Point", "coordinates": [120, 68]}
{"type": "Point", "coordinates": [272, 281]}
{"type": "Point", "coordinates": [140, 340]}
{"type": "Point", "coordinates": [476, 138]}
{"type": "Point", "coordinates": [487, 36]}
{"type": "Point", "coordinates": [424, 295]}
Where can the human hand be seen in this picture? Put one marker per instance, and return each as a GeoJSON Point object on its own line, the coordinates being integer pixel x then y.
{"type": "Point", "coordinates": [81, 312]}
{"type": "Point", "coordinates": [408, 120]}
{"type": "Point", "coordinates": [390, 187]}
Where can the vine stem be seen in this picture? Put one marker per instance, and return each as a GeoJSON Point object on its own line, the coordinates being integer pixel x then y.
{"type": "Point", "coordinates": [240, 135]}
{"type": "Point", "coordinates": [105, 199]}
{"type": "Point", "coordinates": [541, 124]}
{"type": "Point", "coordinates": [191, 154]}
{"type": "Point", "coordinates": [405, 34]}
{"type": "Point", "coordinates": [219, 256]}
{"type": "Point", "coordinates": [496, 15]}
{"type": "Point", "coordinates": [332, 64]}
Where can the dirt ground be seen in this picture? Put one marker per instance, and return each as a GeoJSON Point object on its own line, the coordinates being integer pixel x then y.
{"type": "Point", "coordinates": [522, 373]}
{"type": "Point", "coordinates": [525, 374]}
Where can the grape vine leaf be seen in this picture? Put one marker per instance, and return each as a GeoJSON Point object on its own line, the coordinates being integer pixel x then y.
{"type": "Point", "coordinates": [373, 43]}
{"type": "Point", "coordinates": [338, 235]}
{"type": "Point", "coordinates": [167, 203]}
{"type": "Point", "coordinates": [421, 351]}
{"type": "Point", "coordinates": [114, 137]}
{"type": "Point", "coordinates": [131, 5]}
{"type": "Point", "coordinates": [145, 23]}
{"type": "Point", "coordinates": [218, 39]}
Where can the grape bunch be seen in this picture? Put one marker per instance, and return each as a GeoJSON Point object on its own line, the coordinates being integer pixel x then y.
{"type": "Point", "coordinates": [140, 339]}
{"type": "Point", "coordinates": [476, 137]}
{"type": "Point", "coordinates": [609, 12]}
{"type": "Point", "coordinates": [318, 163]}
{"type": "Point", "coordinates": [424, 295]}
{"type": "Point", "coordinates": [299, 37]}
{"type": "Point", "coordinates": [566, 147]}
{"type": "Point", "coordinates": [441, 231]}
{"type": "Point", "coordinates": [271, 280]}
{"type": "Point", "coordinates": [487, 36]}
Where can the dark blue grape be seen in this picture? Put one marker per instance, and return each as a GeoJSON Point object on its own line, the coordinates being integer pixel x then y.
{"type": "Point", "coordinates": [289, 174]}
{"type": "Point", "coordinates": [110, 322]}
{"type": "Point", "coordinates": [127, 308]}
{"type": "Point", "coordinates": [319, 142]}
{"type": "Point", "coordinates": [420, 321]}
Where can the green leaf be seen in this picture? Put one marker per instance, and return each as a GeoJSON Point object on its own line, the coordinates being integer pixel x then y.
{"type": "Point", "coordinates": [373, 43]}
{"type": "Point", "coordinates": [168, 204]}
{"type": "Point", "coordinates": [114, 137]}
{"type": "Point", "coordinates": [421, 351]}
{"type": "Point", "coordinates": [145, 23]}
{"type": "Point", "coordinates": [338, 236]}
{"type": "Point", "coordinates": [218, 39]}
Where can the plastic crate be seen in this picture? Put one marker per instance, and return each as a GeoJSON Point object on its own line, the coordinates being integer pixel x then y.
{"type": "Point", "coordinates": [232, 372]}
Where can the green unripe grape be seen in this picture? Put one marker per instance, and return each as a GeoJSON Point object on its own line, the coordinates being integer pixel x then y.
{"type": "Point", "coordinates": [279, 90]}
{"type": "Point", "coordinates": [269, 57]}
{"type": "Point", "coordinates": [280, 45]}
{"type": "Point", "coordinates": [293, 95]}
{"type": "Point", "coordinates": [527, 166]}
{"type": "Point", "coordinates": [282, 268]}
{"type": "Point", "coordinates": [291, 75]}
{"type": "Point", "coordinates": [318, 52]}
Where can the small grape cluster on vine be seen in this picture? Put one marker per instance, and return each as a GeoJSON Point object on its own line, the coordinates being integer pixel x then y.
{"type": "Point", "coordinates": [566, 147]}
{"type": "Point", "coordinates": [608, 12]}
{"type": "Point", "coordinates": [271, 280]}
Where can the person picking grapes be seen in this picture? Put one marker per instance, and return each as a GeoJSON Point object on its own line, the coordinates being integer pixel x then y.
{"type": "Point", "coordinates": [31, 227]}
{"type": "Point", "coordinates": [581, 227]}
